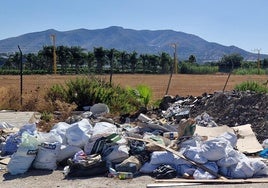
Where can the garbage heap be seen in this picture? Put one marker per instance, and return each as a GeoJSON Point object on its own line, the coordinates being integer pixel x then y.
{"type": "Point", "coordinates": [160, 142]}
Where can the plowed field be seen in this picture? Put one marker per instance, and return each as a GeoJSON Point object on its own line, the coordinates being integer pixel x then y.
{"type": "Point", "coordinates": [182, 85]}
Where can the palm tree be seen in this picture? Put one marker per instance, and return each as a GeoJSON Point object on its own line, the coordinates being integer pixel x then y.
{"type": "Point", "coordinates": [100, 59]}
{"type": "Point", "coordinates": [64, 56]}
{"type": "Point", "coordinates": [77, 56]}
{"type": "Point", "coordinates": [144, 59]}
{"type": "Point", "coordinates": [165, 62]}
{"type": "Point", "coordinates": [133, 61]}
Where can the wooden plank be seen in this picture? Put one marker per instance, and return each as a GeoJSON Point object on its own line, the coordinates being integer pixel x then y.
{"type": "Point", "coordinates": [152, 185]}
{"type": "Point", "coordinates": [226, 181]}
{"type": "Point", "coordinates": [181, 156]}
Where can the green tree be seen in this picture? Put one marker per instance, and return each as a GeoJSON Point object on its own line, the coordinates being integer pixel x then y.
{"type": "Point", "coordinates": [165, 62]}
{"type": "Point", "coordinates": [192, 59]}
{"type": "Point", "coordinates": [144, 60]}
{"type": "Point", "coordinates": [232, 60]}
{"type": "Point", "coordinates": [64, 57]}
{"type": "Point", "coordinates": [77, 57]}
{"type": "Point", "coordinates": [99, 54]}
{"type": "Point", "coordinates": [133, 61]}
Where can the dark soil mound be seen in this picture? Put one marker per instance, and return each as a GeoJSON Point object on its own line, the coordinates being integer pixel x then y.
{"type": "Point", "coordinates": [236, 108]}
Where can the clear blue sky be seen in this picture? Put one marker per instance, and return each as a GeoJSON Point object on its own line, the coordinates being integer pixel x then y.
{"type": "Point", "coordinates": [243, 23]}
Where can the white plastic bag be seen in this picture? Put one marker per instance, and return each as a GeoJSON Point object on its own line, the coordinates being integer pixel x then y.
{"type": "Point", "coordinates": [22, 160]}
{"type": "Point", "coordinates": [192, 153]}
{"type": "Point", "coordinates": [79, 133]}
{"type": "Point", "coordinates": [61, 128]}
{"type": "Point", "coordinates": [214, 149]}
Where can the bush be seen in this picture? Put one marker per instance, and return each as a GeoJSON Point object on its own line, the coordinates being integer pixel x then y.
{"type": "Point", "coordinates": [187, 68]}
{"type": "Point", "coordinates": [88, 91]}
{"type": "Point", "coordinates": [251, 86]}
{"type": "Point", "coordinates": [247, 71]}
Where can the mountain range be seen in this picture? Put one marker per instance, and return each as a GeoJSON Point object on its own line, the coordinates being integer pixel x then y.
{"type": "Point", "coordinates": [129, 40]}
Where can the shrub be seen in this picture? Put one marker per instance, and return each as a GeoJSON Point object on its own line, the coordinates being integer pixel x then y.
{"type": "Point", "coordinates": [88, 91]}
{"type": "Point", "coordinates": [186, 68]}
{"type": "Point", "coordinates": [246, 71]}
{"type": "Point", "coordinates": [143, 94]}
{"type": "Point", "coordinates": [252, 86]}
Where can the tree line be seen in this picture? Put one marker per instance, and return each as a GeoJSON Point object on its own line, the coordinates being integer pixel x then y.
{"type": "Point", "coordinates": [76, 60]}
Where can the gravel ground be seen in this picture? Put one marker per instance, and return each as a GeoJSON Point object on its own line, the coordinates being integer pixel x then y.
{"type": "Point", "coordinates": [41, 178]}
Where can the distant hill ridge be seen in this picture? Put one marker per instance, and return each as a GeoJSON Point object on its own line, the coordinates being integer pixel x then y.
{"type": "Point", "coordinates": [141, 41]}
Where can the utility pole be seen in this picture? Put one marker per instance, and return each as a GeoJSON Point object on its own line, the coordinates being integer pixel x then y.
{"type": "Point", "coordinates": [175, 66]}
{"type": "Point", "coordinates": [21, 80]}
{"type": "Point", "coordinates": [53, 37]}
{"type": "Point", "coordinates": [258, 63]}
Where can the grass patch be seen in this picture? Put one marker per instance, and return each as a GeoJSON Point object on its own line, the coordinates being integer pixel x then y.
{"type": "Point", "coordinates": [252, 86]}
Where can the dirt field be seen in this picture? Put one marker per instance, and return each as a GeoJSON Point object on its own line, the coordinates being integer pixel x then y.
{"type": "Point", "coordinates": [182, 85]}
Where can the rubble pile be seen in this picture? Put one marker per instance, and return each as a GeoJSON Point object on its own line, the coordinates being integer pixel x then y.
{"type": "Point", "coordinates": [236, 108]}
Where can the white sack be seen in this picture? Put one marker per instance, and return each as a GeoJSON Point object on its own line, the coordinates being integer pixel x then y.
{"type": "Point", "coordinates": [79, 133]}
{"type": "Point", "coordinates": [47, 156]}
{"type": "Point", "coordinates": [118, 154]}
{"type": "Point", "coordinates": [164, 157]}
{"type": "Point", "coordinates": [231, 137]}
{"type": "Point", "coordinates": [67, 151]}
{"type": "Point", "coordinates": [148, 168]}
{"type": "Point", "coordinates": [61, 128]}
{"type": "Point", "coordinates": [192, 153]}
{"type": "Point", "coordinates": [214, 149]}
{"type": "Point", "coordinates": [202, 174]}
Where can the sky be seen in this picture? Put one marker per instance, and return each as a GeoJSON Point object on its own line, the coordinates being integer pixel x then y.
{"type": "Point", "coordinates": [242, 23]}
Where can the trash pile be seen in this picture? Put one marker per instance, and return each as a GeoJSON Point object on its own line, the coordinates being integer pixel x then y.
{"type": "Point", "coordinates": [162, 142]}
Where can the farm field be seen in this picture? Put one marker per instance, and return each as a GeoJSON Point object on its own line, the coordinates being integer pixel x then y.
{"type": "Point", "coordinates": [181, 84]}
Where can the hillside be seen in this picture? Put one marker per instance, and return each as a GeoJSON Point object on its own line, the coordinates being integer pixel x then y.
{"type": "Point", "coordinates": [141, 41]}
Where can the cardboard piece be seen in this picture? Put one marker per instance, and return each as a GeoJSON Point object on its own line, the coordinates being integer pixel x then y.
{"type": "Point", "coordinates": [5, 161]}
{"type": "Point", "coordinates": [246, 139]}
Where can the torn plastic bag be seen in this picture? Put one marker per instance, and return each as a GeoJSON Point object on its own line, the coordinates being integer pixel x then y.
{"type": "Point", "coordinates": [12, 143]}
{"type": "Point", "coordinates": [22, 160]}
{"type": "Point", "coordinates": [14, 140]}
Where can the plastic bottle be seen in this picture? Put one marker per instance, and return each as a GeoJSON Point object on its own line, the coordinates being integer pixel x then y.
{"type": "Point", "coordinates": [125, 175]}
